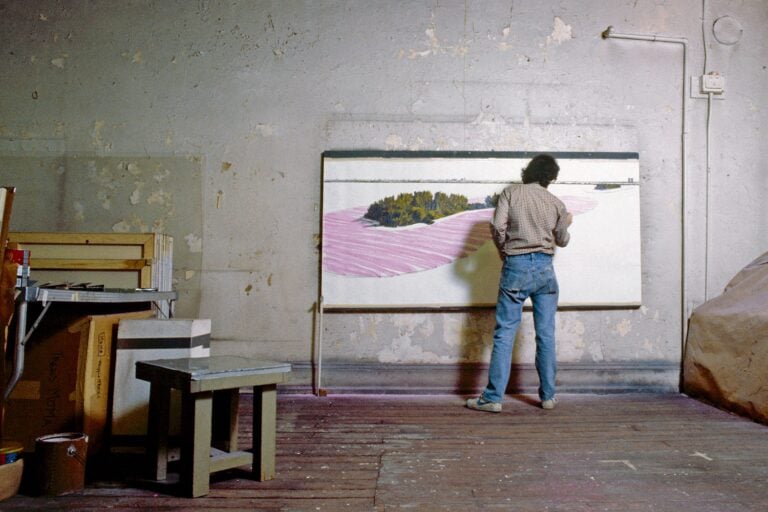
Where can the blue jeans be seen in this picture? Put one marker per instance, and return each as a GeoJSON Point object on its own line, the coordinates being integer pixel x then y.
{"type": "Point", "coordinates": [522, 276]}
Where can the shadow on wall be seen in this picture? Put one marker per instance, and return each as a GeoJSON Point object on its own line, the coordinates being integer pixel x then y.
{"type": "Point", "coordinates": [472, 374]}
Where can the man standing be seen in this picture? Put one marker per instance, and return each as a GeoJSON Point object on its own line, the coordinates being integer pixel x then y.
{"type": "Point", "coordinates": [527, 224]}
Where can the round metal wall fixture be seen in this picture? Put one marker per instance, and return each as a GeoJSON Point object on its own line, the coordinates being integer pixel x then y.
{"type": "Point", "coordinates": [727, 30]}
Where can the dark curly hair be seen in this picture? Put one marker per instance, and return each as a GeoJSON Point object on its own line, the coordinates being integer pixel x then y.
{"type": "Point", "coordinates": [542, 169]}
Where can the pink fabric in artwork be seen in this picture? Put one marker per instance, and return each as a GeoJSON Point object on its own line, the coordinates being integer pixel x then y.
{"type": "Point", "coordinates": [356, 247]}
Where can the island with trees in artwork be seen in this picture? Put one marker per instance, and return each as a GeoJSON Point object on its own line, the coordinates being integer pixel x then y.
{"type": "Point", "coordinates": [421, 208]}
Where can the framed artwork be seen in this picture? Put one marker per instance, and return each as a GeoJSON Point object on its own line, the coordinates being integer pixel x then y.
{"type": "Point", "coordinates": [407, 229]}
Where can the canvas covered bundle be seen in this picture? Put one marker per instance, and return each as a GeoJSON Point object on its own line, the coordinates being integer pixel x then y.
{"type": "Point", "coordinates": [726, 357]}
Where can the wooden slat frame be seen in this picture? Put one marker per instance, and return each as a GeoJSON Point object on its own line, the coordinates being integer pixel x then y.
{"type": "Point", "coordinates": [146, 242]}
{"type": "Point", "coordinates": [87, 264]}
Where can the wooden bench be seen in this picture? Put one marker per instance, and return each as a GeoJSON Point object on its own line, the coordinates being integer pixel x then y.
{"type": "Point", "coordinates": [208, 440]}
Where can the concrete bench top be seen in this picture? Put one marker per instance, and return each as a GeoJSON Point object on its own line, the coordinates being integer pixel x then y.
{"type": "Point", "coordinates": [235, 370]}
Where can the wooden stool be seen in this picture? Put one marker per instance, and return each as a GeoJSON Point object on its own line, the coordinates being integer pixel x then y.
{"type": "Point", "coordinates": [208, 441]}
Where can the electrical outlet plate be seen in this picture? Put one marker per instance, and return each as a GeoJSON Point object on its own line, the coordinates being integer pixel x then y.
{"type": "Point", "coordinates": [713, 83]}
{"type": "Point", "coordinates": [697, 91]}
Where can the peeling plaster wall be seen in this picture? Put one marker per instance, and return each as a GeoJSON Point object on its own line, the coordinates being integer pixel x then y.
{"type": "Point", "coordinates": [118, 194]}
{"type": "Point", "coordinates": [257, 90]}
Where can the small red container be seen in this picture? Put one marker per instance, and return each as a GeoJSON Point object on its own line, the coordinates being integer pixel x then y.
{"type": "Point", "coordinates": [10, 452]}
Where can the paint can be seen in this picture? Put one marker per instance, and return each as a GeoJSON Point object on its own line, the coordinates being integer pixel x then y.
{"type": "Point", "coordinates": [10, 452]}
{"type": "Point", "coordinates": [60, 463]}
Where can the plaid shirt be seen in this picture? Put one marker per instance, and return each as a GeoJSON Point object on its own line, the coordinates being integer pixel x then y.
{"type": "Point", "coordinates": [528, 218]}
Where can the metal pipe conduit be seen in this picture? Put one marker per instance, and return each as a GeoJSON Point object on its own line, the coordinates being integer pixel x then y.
{"type": "Point", "coordinates": [608, 33]}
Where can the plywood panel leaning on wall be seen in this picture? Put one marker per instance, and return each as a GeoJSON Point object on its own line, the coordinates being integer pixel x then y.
{"type": "Point", "coordinates": [7, 286]}
{"type": "Point", "coordinates": [7, 267]}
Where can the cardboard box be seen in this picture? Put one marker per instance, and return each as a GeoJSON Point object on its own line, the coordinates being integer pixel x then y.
{"type": "Point", "coordinates": [95, 392]}
{"type": "Point", "coordinates": [66, 383]}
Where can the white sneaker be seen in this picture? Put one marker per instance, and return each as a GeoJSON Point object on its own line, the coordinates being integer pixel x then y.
{"type": "Point", "coordinates": [549, 404]}
{"type": "Point", "coordinates": [481, 404]}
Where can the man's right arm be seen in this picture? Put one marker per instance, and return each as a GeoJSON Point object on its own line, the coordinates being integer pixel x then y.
{"type": "Point", "coordinates": [564, 219]}
{"type": "Point", "coordinates": [500, 221]}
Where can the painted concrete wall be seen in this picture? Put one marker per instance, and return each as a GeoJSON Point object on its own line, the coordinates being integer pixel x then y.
{"type": "Point", "coordinates": [251, 93]}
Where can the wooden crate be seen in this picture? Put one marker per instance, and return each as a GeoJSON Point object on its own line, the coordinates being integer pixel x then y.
{"type": "Point", "coordinates": [116, 260]}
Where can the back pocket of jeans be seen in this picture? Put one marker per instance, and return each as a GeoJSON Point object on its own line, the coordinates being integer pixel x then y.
{"type": "Point", "coordinates": [514, 280]}
{"type": "Point", "coordinates": [547, 280]}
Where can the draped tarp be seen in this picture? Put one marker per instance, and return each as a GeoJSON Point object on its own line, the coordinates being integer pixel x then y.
{"type": "Point", "coordinates": [726, 356]}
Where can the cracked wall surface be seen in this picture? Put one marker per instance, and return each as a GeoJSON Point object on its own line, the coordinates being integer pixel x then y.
{"type": "Point", "coordinates": [238, 100]}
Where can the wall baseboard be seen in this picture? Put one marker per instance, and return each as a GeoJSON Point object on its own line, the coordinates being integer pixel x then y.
{"type": "Point", "coordinates": [469, 378]}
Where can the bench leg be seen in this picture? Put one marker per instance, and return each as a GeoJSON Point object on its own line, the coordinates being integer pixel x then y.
{"type": "Point", "coordinates": [196, 443]}
{"type": "Point", "coordinates": [157, 431]}
{"type": "Point", "coordinates": [264, 426]}
{"type": "Point", "coordinates": [225, 411]}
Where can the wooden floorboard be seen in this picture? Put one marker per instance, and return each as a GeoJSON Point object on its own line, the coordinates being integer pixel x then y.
{"type": "Point", "coordinates": [623, 453]}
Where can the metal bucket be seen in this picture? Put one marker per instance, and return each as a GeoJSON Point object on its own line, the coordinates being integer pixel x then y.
{"type": "Point", "coordinates": [60, 463]}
